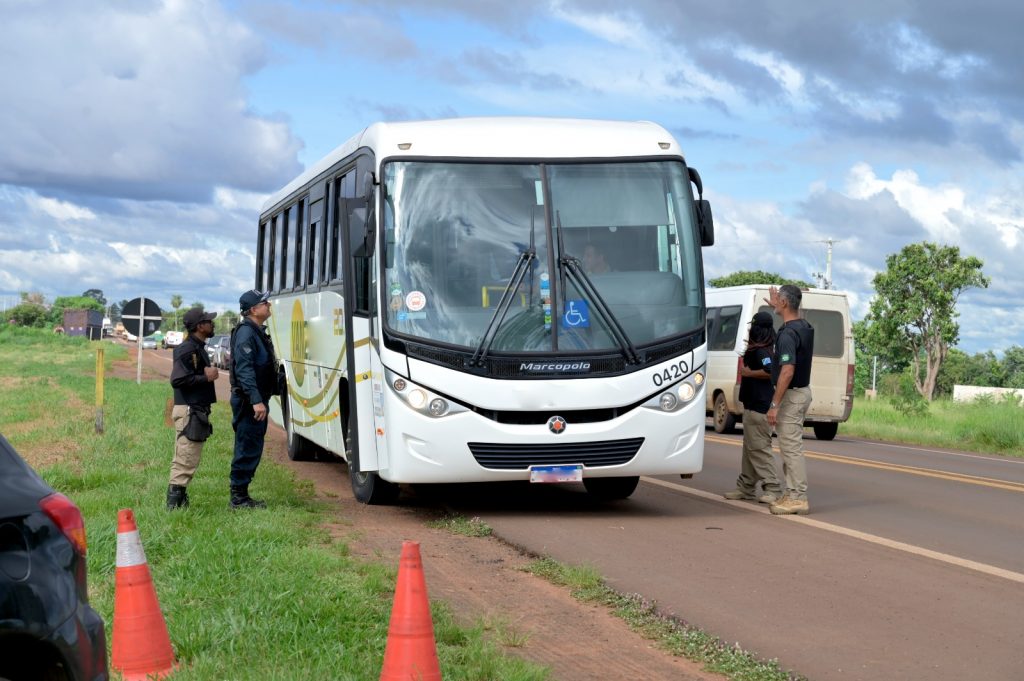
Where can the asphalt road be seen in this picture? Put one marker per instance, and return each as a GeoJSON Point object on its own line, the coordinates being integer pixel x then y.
{"type": "Point", "coordinates": [910, 566]}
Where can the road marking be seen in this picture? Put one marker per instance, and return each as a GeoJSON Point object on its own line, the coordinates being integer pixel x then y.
{"type": "Point", "coordinates": [900, 468]}
{"type": "Point", "coordinates": [983, 568]}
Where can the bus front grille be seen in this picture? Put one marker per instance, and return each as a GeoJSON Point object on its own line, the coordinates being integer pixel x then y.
{"type": "Point", "coordinates": [521, 457]}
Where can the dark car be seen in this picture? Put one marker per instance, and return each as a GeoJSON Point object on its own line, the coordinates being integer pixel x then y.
{"type": "Point", "coordinates": [47, 628]}
{"type": "Point", "coordinates": [219, 350]}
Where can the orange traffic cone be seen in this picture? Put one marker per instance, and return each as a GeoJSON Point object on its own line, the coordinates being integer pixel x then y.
{"type": "Point", "coordinates": [141, 648]}
{"type": "Point", "coordinates": [411, 652]}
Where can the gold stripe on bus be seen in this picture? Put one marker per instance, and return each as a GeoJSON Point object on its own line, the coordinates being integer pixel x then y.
{"type": "Point", "coordinates": [900, 468]}
{"type": "Point", "coordinates": [362, 342]}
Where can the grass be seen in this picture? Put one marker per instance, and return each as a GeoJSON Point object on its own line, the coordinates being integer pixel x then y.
{"type": "Point", "coordinates": [246, 595]}
{"type": "Point", "coordinates": [458, 524]}
{"type": "Point", "coordinates": [670, 634]}
{"type": "Point", "coordinates": [986, 426]}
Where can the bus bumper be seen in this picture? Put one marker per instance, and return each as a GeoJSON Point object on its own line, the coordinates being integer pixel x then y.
{"type": "Point", "coordinates": [420, 449]}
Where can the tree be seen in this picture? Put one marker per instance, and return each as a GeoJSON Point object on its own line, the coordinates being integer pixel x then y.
{"type": "Point", "coordinates": [744, 278]}
{"type": "Point", "coordinates": [1013, 367]}
{"type": "Point", "coordinates": [96, 295]}
{"type": "Point", "coordinates": [28, 314]}
{"type": "Point", "coordinates": [175, 303]}
{"type": "Point", "coordinates": [62, 303]}
{"type": "Point", "coordinates": [227, 321]}
{"type": "Point", "coordinates": [913, 315]}
{"type": "Point", "coordinates": [35, 298]}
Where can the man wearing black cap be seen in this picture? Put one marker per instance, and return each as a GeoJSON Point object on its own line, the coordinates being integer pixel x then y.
{"type": "Point", "coordinates": [791, 376]}
{"type": "Point", "coordinates": [253, 383]}
{"type": "Point", "coordinates": [192, 378]}
{"type": "Point", "coordinates": [757, 463]}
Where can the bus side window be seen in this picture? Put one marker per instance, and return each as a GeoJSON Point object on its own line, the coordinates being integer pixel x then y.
{"type": "Point", "coordinates": [271, 251]}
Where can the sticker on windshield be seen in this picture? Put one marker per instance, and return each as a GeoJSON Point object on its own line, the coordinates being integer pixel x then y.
{"type": "Point", "coordinates": [415, 301]}
{"type": "Point", "coordinates": [577, 314]}
{"type": "Point", "coordinates": [396, 288]}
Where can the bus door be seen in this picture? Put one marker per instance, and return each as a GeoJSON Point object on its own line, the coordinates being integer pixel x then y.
{"type": "Point", "coordinates": [357, 314]}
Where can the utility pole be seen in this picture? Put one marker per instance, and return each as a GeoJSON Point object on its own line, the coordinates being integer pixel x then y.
{"type": "Point", "coordinates": [825, 280]}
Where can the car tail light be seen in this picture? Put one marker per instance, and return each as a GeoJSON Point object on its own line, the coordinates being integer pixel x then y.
{"type": "Point", "coordinates": [849, 379]}
{"type": "Point", "coordinates": [65, 515]}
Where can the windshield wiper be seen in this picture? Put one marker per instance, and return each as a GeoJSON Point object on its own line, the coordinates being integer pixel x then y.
{"type": "Point", "coordinates": [507, 296]}
{"type": "Point", "coordinates": [568, 264]}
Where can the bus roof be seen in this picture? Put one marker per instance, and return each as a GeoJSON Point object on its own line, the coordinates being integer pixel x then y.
{"type": "Point", "coordinates": [501, 138]}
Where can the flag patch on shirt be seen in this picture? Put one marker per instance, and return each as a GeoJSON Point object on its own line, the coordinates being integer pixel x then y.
{"type": "Point", "coordinates": [784, 358]}
{"type": "Point", "coordinates": [766, 361]}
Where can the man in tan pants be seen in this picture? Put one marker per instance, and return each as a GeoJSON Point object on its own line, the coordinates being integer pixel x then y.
{"type": "Point", "coordinates": [791, 375]}
{"type": "Point", "coordinates": [192, 378]}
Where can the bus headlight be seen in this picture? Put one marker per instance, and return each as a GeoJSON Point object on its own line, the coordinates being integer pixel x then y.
{"type": "Point", "coordinates": [686, 391]}
{"type": "Point", "coordinates": [438, 407]}
{"type": "Point", "coordinates": [423, 400]}
{"type": "Point", "coordinates": [668, 401]}
{"type": "Point", "coordinates": [417, 398]}
{"type": "Point", "coordinates": [698, 378]}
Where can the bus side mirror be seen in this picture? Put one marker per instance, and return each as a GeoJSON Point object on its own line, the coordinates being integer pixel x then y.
{"type": "Point", "coordinates": [702, 208]}
{"type": "Point", "coordinates": [705, 222]}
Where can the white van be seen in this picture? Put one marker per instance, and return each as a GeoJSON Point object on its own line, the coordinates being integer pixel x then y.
{"type": "Point", "coordinates": [729, 312]}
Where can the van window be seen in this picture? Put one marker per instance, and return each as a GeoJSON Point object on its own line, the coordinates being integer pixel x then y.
{"type": "Point", "coordinates": [829, 338]}
{"type": "Point", "coordinates": [725, 330]}
{"type": "Point", "coordinates": [828, 332]}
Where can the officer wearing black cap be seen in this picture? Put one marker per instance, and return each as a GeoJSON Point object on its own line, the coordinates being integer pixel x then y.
{"type": "Point", "coordinates": [757, 463]}
{"type": "Point", "coordinates": [192, 378]}
{"type": "Point", "coordinates": [253, 383]}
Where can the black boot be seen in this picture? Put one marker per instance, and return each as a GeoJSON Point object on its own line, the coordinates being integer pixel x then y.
{"type": "Point", "coordinates": [240, 498]}
{"type": "Point", "coordinates": [177, 497]}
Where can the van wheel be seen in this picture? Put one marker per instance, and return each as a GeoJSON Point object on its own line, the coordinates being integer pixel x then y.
{"type": "Point", "coordinates": [826, 431]}
{"type": "Point", "coordinates": [724, 421]}
{"type": "Point", "coordinates": [299, 448]}
{"type": "Point", "coordinates": [610, 489]}
{"type": "Point", "coordinates": [369, 488]}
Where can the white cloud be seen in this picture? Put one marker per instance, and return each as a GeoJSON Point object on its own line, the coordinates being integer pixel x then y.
{"type": "Point", "coordinates": [60, 210]}
{"type": "Point", "coordinates": [929, 206]}
{"type": "Point", "coordinates": [138, 99]}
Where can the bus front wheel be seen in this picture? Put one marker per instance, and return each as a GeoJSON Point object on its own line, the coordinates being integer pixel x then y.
{"type": "Point", "coordinates": [610, 489]}
{"type": "Point", "coordinates": [370, 488]}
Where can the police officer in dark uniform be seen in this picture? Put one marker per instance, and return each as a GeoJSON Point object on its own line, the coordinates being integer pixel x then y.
{"type": "Point", "coordinates": [791, 376]}
{"type": "Point", "coordinates": [192, 378]}
{"type": "Point", "coordinates": [253, 383]}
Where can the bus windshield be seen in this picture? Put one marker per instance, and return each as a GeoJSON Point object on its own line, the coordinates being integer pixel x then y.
{"type": "Point", "coordinates": [454, 234]}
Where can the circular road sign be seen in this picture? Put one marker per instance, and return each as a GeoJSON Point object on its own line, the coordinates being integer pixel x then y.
{"type": "Point", "coordinates": [143, 324]}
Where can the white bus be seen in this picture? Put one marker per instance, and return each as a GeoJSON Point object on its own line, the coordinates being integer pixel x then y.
{"type": "Point", "coordinates": [492, 299]}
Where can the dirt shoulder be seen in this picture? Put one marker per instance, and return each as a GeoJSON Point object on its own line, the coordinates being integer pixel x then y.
{"type": "Point", "coordinates": [481, 579]}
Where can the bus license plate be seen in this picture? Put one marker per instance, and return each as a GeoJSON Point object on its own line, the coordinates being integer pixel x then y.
{"type": "Point", "coordinates": [556, 473]}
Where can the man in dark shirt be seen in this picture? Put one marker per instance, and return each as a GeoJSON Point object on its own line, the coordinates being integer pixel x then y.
{"type": "Point", "coordinates": [253, 383]}
{"type": "Point", "coordinates": [192, 378]}
{"type": "Point", "coordinates": [791, 376]}
{"type": "Point", "coordinates": [757, 463]}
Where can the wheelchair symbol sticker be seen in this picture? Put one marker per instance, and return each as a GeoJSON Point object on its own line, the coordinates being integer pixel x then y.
{"type": "Point", "coordinates": [577, 314]}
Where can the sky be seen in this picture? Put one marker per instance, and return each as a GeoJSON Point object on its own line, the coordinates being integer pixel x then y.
{"type": "Point", "coordinates": [141, 137]}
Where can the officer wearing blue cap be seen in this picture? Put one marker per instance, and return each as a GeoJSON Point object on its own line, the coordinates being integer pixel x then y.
{"type": "Point", "coordinates": [253, 383]}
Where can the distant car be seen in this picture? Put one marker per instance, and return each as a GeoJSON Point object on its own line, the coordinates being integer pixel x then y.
{"type": "Point", "coordinates": [48, 630]}
{"type": "Point", "coordinates": [219, 350]}
{"type": "Point", "coordinates": [149, 343]}
{"type": "Point", "coordinates": [172, 340]}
